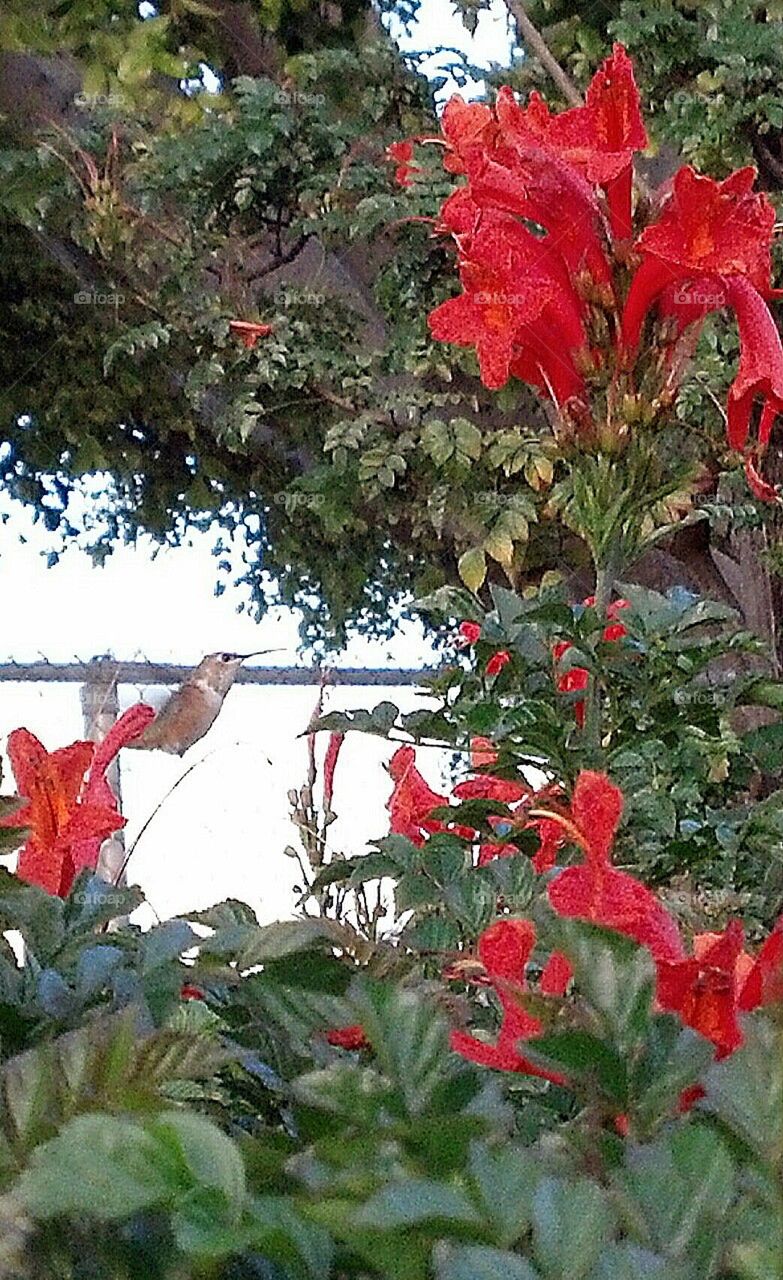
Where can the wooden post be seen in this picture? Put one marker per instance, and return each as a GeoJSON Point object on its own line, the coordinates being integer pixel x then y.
{"type": "Point", "coordinates": [101, 709]}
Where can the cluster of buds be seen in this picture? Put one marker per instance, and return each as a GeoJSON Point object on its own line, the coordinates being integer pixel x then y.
{"type": "Point", "coordinates": [596, 304]}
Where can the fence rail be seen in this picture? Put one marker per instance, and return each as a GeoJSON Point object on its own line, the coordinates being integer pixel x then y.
{"type": "Point", "coordinates": [149, 673]}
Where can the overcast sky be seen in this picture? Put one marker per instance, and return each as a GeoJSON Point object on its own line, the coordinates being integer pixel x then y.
{"type": "Point", "coordinates": [223, 831]}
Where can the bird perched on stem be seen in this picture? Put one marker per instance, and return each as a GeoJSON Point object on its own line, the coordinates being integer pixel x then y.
{"type": "Point", "coordinates": [194, 707]}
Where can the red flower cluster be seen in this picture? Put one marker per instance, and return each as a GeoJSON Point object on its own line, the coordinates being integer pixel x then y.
{"type": "Point", "coordinates": [412, 802]}
{"type": "Point", "coordinates": [543, 218]}
{"type": "Point", "coordinates": [470, 633]}
{"type": "Point", "coordinates": [708, 990]}
{"type": "Point", "coordinates": [577, 679]}
{"type": "Point", "coordinates": [70, 809]}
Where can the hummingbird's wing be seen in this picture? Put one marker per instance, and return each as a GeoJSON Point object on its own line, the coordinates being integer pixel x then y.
{"type": "Point", "coordinates": [187, 715]}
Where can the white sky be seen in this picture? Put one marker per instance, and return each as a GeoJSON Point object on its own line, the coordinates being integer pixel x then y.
{"type": "Point", "coordinates": [223, 831]}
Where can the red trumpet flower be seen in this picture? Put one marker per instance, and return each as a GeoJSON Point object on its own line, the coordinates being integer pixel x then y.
{"type": "Point", "coordinates": [599, 139]}
{"type": "Point", "coordinates": [498, 661]}
{"type": "Point", "coordinates": [597, 891]}
{"type": "Point", "coordinates": [412, 799]}
{"type": "Point", "coordinates": [709, 249]}
{"type": "Point", "coordinates": [504, 949]}
{"type": "Point", "coordinates": [704, 990]}
{"type": "Point", "coordinates": [70, 807]}
{"type": "Point", "coordinates": [515, 290]}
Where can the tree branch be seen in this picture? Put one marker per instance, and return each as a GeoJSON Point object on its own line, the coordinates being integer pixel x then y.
{"type": "Point", "coordinates": [532, 37]}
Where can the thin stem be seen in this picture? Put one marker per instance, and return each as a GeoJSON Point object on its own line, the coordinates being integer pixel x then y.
{"type": "Point", "coordinates": [604, 585]}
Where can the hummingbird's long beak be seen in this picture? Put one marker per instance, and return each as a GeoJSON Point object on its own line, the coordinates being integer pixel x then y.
{"type": "Point", "coordinates": [257, 653]}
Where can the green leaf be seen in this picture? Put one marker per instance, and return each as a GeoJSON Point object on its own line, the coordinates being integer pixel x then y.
{"type": "Point", "coordinates": [628, 1262]}
{"type": "Point", "coordinates": [211, 1158]}
{"type": "Point", "coordinates": [684, 1184]}
{"type": "Point", "coordinates": [356, 1093]}
{"type": "Point", "coordinates": [383, 716]}
{"type": "Point", "coordinates": [166, 942]}
{"type": "Point", "coordinates": [408, 1204]}
{"type": "Point", "coordinates": [505, 1181]}
{"type": "Point", "coordinates": [499, 544]}
{"type": "Point", "coordinates": [472, 568]}
{"type": "Point", "coordinates": [277, 1231]}
{"type": "Point", "coordinates": [98, 1166]}
{"type": "Point", "coordinates": [478, 1262]}
{"type": "Point", "coordinates": [473, 900]}
{"type": "Point", "coordinates": [36, 914]}
{"type": "Point", "coordinates": [584, 1058]}
{"type": "Point", "coordinates": [746, 1089]}
{"type": "Point", "coordinates": [616, 976]}
{"type": "Point", "coordinates": [433, 933]}
{"type": "Point", "coordinates": [674, 1057]}
{"type": "Point", "coordinates": [571, 1224]}
{"type": "Point", "coordinates": [467, 437]}
{"type": "Point", "coordinates": [410, 1040]}
{"type": "Point", "coordinates": [283, 938]}
{"type": "Point", "coordinates": [92, 902]}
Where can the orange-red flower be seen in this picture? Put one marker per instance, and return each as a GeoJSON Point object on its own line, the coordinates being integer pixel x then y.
{"type": "Point", "coordinates": [556, 975]}
{"type": "Point", "coordinates": [352, 1037]}
{"type": "Point", "coordinates": [710, 248]}
{"type": "Point", "coordinates": [485, 787]}
{"type": "Point", "coordinates": [517, 296]}
{"type": "Point", "coordinates": [401, 153]}
{"type": "Point", "coordinates": [70, 807]}
{"type": "Point", "coordinates": [412, 800]}
{"type": "Point", "coordinates": [469, 632]}
{"type": "Point", "coordinates": [704, 989]}
{"type": "Point", "coordinates": [248, 331]}
{"type": "Point", "coordinates": [504, 949]}
{"type": "Point", "coordinates": [599, 139]}
{"type": "Point", "coordinates": [552, 838]}
{"type": "Point", "coordinates": [333, 750]}
{"type": "Point", "coordinates": [597, 891]}
{"type": "Point", "coordinates": [576, 679]}
{"type": "Point", "coordinates": [758, 486]}
{"type": "Point", "coordinates": [764, 981]}
{"type": "Point", "coordinates": [498, 661]}
{"type": "Point", "coordinates": [482, 752]}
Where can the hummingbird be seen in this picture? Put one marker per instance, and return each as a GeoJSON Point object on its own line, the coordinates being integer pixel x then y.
{"type": "Point", "coordinates": [194, 707]}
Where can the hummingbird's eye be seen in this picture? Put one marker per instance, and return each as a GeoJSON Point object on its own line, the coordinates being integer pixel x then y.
{"type": "Point", "coordinates": [227, 657]}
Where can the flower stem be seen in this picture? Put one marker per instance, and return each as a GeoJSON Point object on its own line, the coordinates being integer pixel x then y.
{"type": "Point", "coordinates": [604, 585]}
